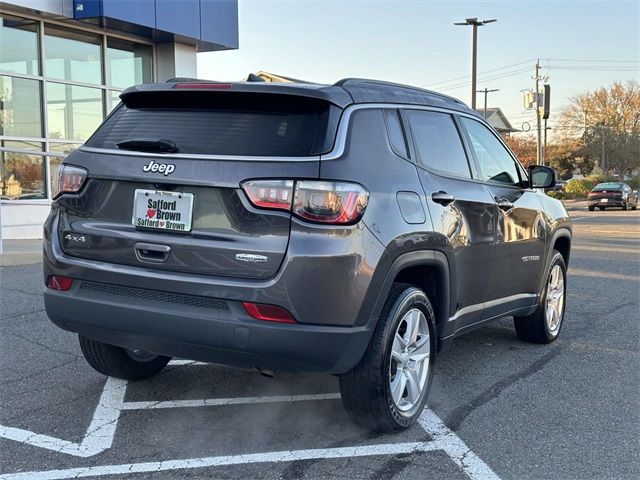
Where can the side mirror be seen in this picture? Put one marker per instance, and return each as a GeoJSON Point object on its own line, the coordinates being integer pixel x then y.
{"type": "Point", "coordinates": [541, 177]}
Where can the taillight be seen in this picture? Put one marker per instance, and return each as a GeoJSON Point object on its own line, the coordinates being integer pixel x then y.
{"type": "Point", "coordinates": [203, 86]}
{"type": "Point", "coordinates": [270, 193]}
{"type": "Point", "coordinates": [58, 282]}
{"type": "Point", "coordinates": [70, 180]}
{"type": "Point", "coordinates": [269, 313]}
{"type": "Point", "coordinates": [330, 202]}
{"type": "Point", "coordinates": [340, 203]}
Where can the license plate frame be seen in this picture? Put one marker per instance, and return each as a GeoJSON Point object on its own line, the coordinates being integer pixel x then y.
{"type": "Point", "coordinates": [162, 210]}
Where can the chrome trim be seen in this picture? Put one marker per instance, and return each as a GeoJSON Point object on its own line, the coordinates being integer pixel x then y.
{"type": "Point", "coordinates": [341, 137]}
{"type": "Point", "coordinates": [336, 152]}
{"type": "Point", "coordinates": [492, 303]}
{"type": "Point", "coordinates": [194, 156]}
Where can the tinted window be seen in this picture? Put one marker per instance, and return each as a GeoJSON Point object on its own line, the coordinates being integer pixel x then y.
{"type": "Point", "coordinates": [396, 135]}
{"type": "Point", "coordinates": [437, 142]}
{"type": "Point", "coordinates": [607, 186]}
{"type": "Point", "coordinates": [219, 123]}
{"type": "Point", "coordinates": [494, 161]}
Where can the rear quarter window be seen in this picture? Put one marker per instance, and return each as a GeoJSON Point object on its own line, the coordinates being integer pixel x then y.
{"type": "Point", "coordinates": [215, 123]}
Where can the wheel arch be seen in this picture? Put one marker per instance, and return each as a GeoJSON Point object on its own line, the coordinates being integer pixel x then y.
{"type": "Point", "coordinates": [561, 241]}
{"type": "Point", "coordinates": [427, 270]}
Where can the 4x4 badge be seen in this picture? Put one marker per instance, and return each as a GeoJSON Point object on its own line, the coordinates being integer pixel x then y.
{"type": "Point", "coordinates": [251, 258]}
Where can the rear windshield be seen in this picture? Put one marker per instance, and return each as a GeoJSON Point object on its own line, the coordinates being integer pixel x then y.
{"type": "Point", "coordinates": [221, 123]}
{"type": "Point", "coordinates": [607, 186]}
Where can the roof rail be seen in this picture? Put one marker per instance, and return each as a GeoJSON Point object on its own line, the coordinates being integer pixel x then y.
{"type": "Point", "coordinates": [367, 82]}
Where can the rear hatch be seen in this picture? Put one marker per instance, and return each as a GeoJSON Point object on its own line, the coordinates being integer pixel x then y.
{"type": "Point", "coordinates": [164, 175]}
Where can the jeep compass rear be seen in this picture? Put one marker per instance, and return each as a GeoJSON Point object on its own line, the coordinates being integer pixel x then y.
{"type": "Point", "coordinates": [289, 227]}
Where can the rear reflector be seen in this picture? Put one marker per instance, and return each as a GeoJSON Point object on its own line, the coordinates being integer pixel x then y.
{"type": "Point", "coordinates": [268, 313]}
{"type": "Point", "coordinates": [204, 86]}
{"type": "Point", "coordinates": [58, 282]}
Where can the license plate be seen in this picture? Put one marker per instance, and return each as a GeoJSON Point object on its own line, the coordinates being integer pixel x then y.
{"type": "Point", "coordinates": [162, 210]}
{"type": "Point", "coordinates": [604, 200]}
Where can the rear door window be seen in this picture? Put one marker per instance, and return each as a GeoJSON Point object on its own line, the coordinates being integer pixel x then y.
{"type": "Point", "coordinates": [215, 123]}
{"type": "Point", "coordinates": [437, 142]}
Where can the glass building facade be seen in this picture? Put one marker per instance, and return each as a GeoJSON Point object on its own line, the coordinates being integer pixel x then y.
{"type": "Point", "coordinates": [57, 83]}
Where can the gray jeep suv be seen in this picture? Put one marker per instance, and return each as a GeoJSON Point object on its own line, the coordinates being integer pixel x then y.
{"type": "Point", "coordinates": [353, 229]}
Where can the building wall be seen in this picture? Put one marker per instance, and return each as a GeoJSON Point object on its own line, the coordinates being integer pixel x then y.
{"type": "Point", "coordinates": [59, 78]}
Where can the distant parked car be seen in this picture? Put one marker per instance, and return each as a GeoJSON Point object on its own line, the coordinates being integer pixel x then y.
{"type": "Point", "coordinates": [558, 187]}
{"type": "Point", "coordinates": [612, 194]}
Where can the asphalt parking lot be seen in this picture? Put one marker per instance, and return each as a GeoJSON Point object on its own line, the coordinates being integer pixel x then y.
{"type": "Point", "coordinates": [499, 408]}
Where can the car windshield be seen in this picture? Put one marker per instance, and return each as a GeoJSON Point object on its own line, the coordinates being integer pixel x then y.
{"type": "Point", "coordinates": [607, 186]}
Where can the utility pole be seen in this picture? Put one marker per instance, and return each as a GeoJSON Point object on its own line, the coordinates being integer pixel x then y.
{"type": "Point", "coordinates": [602, 157]}
{"type": "Point", "coordinates": [539, 159]}
{"type": "Point", "coordinates": [544, 148]}
{"type": "Point", "coordinates": [486, 91]}
{"type": "Point", "coordinates": [475, 23]}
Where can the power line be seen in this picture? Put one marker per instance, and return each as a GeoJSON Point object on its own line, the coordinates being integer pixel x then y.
{"type": "Point", "coordinates": [483, 72]}
{"type": "Point", "coordinates": [483, 79]}
{"type": "Point", "coordinates": [624, 68]}
{"type": "Point", "coordinates": [595, 61]}
{"type": "Point", "coordinates": [589, 60]}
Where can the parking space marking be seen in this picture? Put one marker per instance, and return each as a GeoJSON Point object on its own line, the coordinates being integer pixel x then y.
{"type": "Point", "coordinates": [453, 446]}
{"type": "Point", "coordinates": [214, 402]}
{"type": "Point", "coordinates": [190, 463]}
{"type": "Point", "coordinates": [101, 432]}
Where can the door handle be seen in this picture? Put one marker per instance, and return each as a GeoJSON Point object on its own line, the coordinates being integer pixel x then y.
{"type": "Point", "coordinates": [504, 204]}
{"type": "Point", "coordinates": [152, 252]}
{"type": "Point", "coordinates": [443, 198]}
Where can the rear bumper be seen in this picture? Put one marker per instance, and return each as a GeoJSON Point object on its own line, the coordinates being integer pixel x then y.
{"type": "Point", "coordinates": [219, 334]}
{"type": "Point", "coordinates": [598, 202]}
{"type": "Point", "coordinates": [203, 318]}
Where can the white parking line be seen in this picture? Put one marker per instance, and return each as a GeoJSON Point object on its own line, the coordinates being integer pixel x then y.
{"type": "Point", "coordinates": [453, 445]}
{"type": "Point", "coordinates": [189, 463]}
{"type": "Point", "coordinates": [214, 402]}
{"type": "Point", "coordinates": [101, 431]}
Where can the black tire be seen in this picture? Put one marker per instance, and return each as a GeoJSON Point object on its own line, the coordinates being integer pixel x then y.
{"type": "Point", "coordinates": [366, 392]}
{"type": "Point", "coordinates": [601, 208]}
{"type": "Point", "coordinates": [118, 362]}
{"type": "Point", "coordinates": [635, 206]}
{"type": "Point", "coordinates": [535, 328]}
{"type": "Point", "coordinates": [625, 206]}
{"type": "Point", "coordinates": [591, 208]}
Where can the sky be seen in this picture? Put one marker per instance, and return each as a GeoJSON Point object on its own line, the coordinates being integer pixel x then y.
{"type": "Point", "coordinates": [581, 44]}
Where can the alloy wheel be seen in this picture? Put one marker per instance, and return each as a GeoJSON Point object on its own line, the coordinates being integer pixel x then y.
{"type": "Point", "coordinates": [555, 300]}
{"type": "Point", "coordinates": [409, 363]}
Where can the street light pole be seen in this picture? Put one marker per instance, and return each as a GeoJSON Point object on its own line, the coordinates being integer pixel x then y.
{"type": "Point", "coordinates": [475, 23]}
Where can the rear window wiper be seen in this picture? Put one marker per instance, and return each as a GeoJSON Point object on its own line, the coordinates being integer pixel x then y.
{"type": "Point", "coordinates": [160, 145]}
